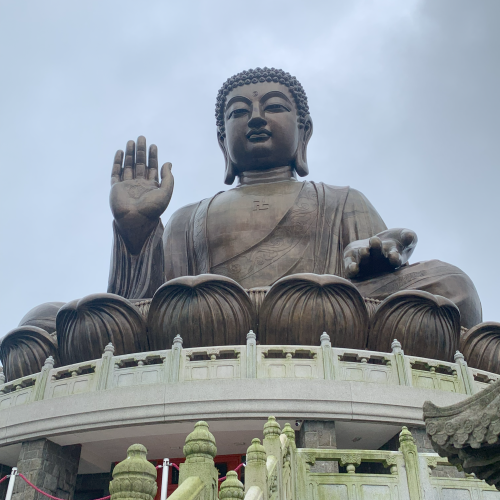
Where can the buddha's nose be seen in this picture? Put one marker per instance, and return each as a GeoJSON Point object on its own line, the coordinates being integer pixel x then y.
{"type": "Point", "coordinates": [256, 119]}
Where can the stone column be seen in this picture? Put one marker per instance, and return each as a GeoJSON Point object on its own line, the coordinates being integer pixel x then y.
{"type": "Point", "coordinates": [50, 467]}
{"type": "Point", "coordinates": [319, 434]}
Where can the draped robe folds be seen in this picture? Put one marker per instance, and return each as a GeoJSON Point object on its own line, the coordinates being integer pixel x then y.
{"type": "Point", "coordinates": [310, 238]}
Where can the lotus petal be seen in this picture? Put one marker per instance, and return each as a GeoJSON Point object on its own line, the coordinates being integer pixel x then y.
{"type": "Point", "coordinates": [86, 326]}
{"type": "Point", "coordinates": [23, 351]}
{"type": "Point", "coordinates": [427, 325]}
{"type": "Point", "coordinates": [299, 308]}
{"type": "Point", "coordinates": [481, 346]}
{"type": "Point", "coordinates": [205, 310]}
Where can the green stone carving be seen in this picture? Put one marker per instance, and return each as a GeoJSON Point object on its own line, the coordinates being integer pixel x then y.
{"type": "Point", "coordinates": [409, 449]}
{"type": "Point", "coordinates": [289, 432]}
{"type": "Point", "coordinates": [232, 488]}
{"type": "Point", "coordinates": [272, 428]}
{"type": "Point", "coordinates": [135, 477]}
{"type": "Point", "coordinates": [256, 470]}
{"type": "Point", "coordinates": [200, 443]}
{"type": "Point", "coordinates": [200, 451]}
{"type": "Point", "coordinates": [256, 453]}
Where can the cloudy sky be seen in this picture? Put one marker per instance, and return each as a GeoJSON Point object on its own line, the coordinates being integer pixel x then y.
{"type": "Point", "coordinates": [404, 96]}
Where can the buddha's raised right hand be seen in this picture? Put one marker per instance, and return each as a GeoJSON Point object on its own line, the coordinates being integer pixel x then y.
{"type": "Point", "coordinates": [137, 199]}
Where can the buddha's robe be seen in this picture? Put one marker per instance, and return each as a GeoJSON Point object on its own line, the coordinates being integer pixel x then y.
{"type": "Point", "coordinates": [310, 238]}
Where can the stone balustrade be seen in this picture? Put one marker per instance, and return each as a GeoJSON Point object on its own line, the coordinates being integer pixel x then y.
{"type": "Point", "coordinates": [245, 362]}
{"type": "Point", "coordinates": [277, 470]}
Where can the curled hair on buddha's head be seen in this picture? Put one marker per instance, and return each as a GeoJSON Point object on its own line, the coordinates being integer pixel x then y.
{"type": "Point", "coordinates": [262, 75]}
{"type": "Point", "coordinates": [265, 75]}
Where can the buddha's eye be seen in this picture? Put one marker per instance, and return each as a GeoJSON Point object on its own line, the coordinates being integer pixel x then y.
{"type": "Point", "coordinates": [276, 108]}
{"type": "Point", "coordinates": [238, 112]}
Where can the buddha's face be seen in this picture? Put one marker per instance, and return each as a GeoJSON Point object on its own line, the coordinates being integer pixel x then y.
{"type": "Point", "coordinates": [261, 126]}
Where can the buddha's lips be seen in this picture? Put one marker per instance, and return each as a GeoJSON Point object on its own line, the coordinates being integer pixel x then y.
{"type": "Point", "coordinates": [259, 135]}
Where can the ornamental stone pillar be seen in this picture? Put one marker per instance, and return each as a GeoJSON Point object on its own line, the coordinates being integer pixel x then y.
{"type": "Point", "coordinates": [232, 488]}
{"type": "Point", "coordinates": [135, 477]}
{"type": "Point", "coordinates": [200, 451]}
{"type": "Point", "coordinates": [256, 470]}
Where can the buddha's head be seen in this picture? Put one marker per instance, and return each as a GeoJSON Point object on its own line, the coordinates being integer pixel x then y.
{"type": "Point", "coordinates": [263, 122]}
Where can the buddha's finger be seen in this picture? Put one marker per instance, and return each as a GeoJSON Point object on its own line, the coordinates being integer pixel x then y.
{"type": "Point", "coordinates": [352, 270]}
{"type": "Point", "coordinates": [140, 159]}
{"type": "Point", "coordinates": [167, 179]}
{"type": "Point", "coordinates": [128, 169]}
{"type": "Point", "coordinates": [153, 163]}
{"type": "Point", "coordinates": [394, 258]}
{"type": "Point", "coordinates": [375, 246]}
{"type": "Point", "coordinates": [364, 254]}
{"type": "Point", "coordinates": [408, 237]}
{"type": "Point", "coordinates": [117, 167]}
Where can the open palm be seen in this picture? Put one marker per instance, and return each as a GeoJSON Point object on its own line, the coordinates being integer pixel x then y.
{"type": "Point", "coordinates": [137, 198]}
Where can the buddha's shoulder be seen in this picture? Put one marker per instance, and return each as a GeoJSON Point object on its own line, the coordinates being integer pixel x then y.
{"type": "Point", "coordinates": [351, 193]}
{"type": "Point", "coordinates": [181, 217]}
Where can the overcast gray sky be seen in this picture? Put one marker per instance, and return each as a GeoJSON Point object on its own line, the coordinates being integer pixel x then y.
{"type": "Point", "coordinates": [404, 97]}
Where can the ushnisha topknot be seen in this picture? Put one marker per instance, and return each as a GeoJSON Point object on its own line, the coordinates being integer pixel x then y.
{"type": "Point", "coordinates": [262, 75]}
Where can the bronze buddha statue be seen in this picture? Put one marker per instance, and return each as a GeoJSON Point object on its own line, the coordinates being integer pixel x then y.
{"type": "Point", "coordinates": [288, 258]}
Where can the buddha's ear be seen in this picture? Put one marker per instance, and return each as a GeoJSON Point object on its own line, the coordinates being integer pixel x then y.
{"type": "Point", "coordinates": [300, 160]}
{"type": "Point", "coordinates": [229, 174]}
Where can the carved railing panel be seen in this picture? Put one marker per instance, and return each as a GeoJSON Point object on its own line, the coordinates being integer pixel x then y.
{"type": "Point", "coordinates": [245, 361]}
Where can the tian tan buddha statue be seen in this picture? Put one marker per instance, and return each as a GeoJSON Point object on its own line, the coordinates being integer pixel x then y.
{"type": "Point", "coordinates": [287, 258]}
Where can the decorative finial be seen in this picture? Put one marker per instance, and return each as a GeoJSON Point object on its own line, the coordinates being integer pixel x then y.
{"type": "Point", "coordinates": [2, 376]}
{"type": "Point", "coordinates": [200, 443]}
{"type": "Point", "coordinates": [49, 363]}
{"type": "Point", "coordinates": [396, 346]}
{"type": "Point", "coordinates": [271, 428]}
{"type": "Point", "coordinates": [251, 335]}
{"type": "Point", "coordinates": [109, 348]}
{"type": "Point", "coordinates": [459, 357]}
{"type": "Point", "coordinates": [325, 340]}
{"type": "Point", "coordinates": [405, 436]}
{"type": "Point", "coordinates": [135, 477]}
{"type": "Point", "coordinates": [178, 341]}
{"type": "Point", "coordinates": [232, 488]}
{"type": "Point", "coordinates": [288, 432]}
{"type": "Point", "coordinates": [256, 452]}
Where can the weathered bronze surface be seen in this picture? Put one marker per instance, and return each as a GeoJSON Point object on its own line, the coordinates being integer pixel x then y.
{"type": "Point", "coordinates": [481, 346]}
{"type": "Point", "coordinates": [268, 227]}
{"type": "Point", "coordinates": [427, 325]}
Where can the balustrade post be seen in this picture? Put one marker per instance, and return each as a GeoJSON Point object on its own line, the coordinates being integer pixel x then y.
{"type": "Point", "coordinates": [272, 442]}
{"type": "Point", "coordinates": [232, 488]}
{"type": "Point", "coordinates": [135, 477]}
{"type": "Point", "coordinates": [256, 470]}
{"type": "Point", "coordinates": [290, 434]}
{"type": "Point", "coordinates": [464, 374]}
{"type": "Point", "coordinates": [43, 377]}
{"type": "Point", "coordinates": [412, 466]}
{"type": "Point", "coordinates": [2, 376]}
{"type": "Point", "coordinates": [106, 368]}
{"type": "Point", "coordinates": [175, 365]}
{"type": "Point", "coordinates": [328, 361]}
{"type": "Point", "coordinates": [251, 355]}
{"type": "Point", "coordinates": [402, 370]}
{"type": "Point", "coordinates": [200, 451]}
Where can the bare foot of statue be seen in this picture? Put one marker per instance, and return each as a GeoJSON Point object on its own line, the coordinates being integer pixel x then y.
{"type": "Point", "coordinates": [137, 199]}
